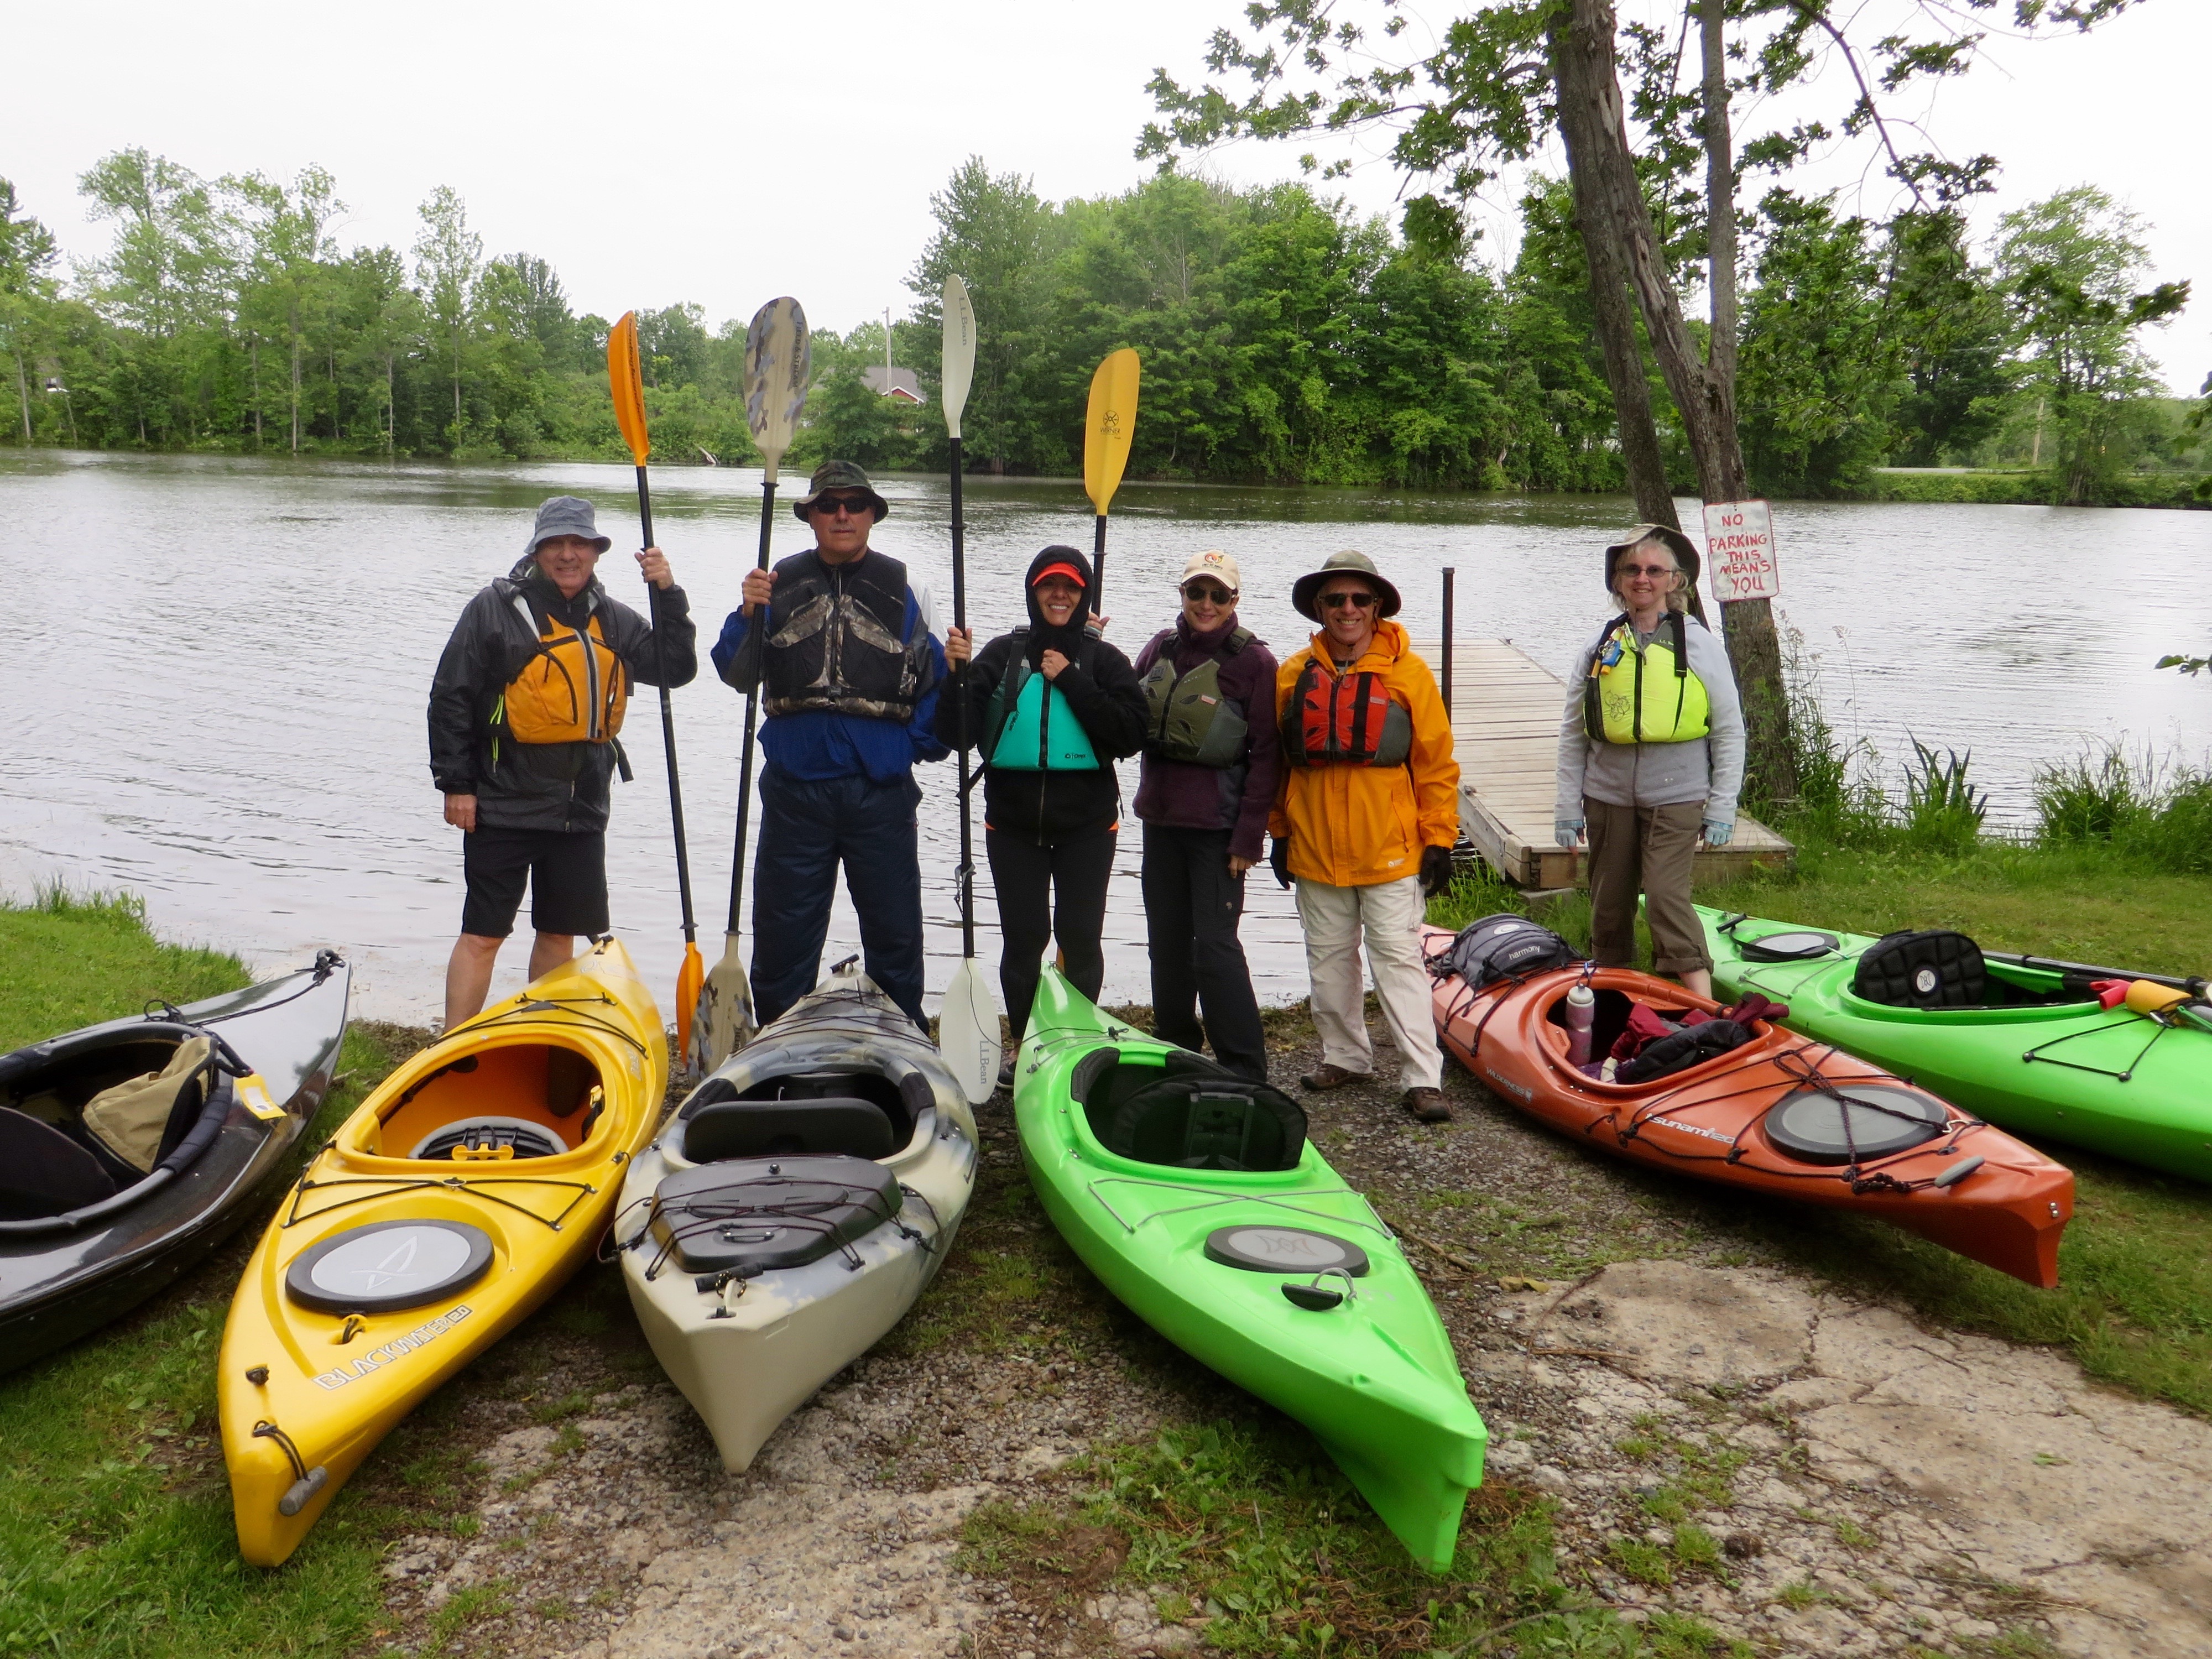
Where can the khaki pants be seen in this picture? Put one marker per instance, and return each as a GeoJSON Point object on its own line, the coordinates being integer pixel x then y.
{"type": "Point", "coordinates": [1389, 914]}
{"type": "Point", "coordinates": [1644, 849]}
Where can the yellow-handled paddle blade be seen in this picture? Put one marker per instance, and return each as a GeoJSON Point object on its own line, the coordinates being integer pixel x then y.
{"type": "Point", "coordinates": [1109, 426]}
{"type": "Point", "coordinates": [627, 381]}
{"type": "Point", "coordinates": [689, 978]}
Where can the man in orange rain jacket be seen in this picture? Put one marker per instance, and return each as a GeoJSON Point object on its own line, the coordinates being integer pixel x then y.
{"type": "Point", "coordinates": [1365, 821]}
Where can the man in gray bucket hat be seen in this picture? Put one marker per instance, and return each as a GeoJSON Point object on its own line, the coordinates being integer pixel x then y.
{"type": "Point", "coordinates": [524, 710]}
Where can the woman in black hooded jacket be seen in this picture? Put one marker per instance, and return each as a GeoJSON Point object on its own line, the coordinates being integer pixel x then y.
{"type": "Point", "coordinates": [1052, 805]}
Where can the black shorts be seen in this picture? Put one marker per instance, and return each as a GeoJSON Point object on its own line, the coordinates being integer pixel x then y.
{"type": "Point", "coordinates": [566, 871]}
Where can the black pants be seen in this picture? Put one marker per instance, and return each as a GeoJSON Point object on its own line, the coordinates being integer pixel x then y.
{"type": "Point", "coordinates": [1045, 893]}
{"type": "Point", "coordinates": [1192, 907]}
{"type": "Point", "coordinates": [807, 829]}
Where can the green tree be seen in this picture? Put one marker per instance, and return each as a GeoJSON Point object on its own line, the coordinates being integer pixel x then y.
{"type": "Point", "coordinates": [26, 291]}
{"type": "Point", "coordinates": [2069, 266]}
{"type": "Point", "coordinates": [1955, 339]}
{"type": "Point", "coordinates": [448, 261]}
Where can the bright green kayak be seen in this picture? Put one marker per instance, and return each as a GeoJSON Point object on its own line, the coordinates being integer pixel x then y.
{"type": "Point", "coordinates": [2039, 1054]}
{"type": "Point", "coordinates": [1219, 1224]}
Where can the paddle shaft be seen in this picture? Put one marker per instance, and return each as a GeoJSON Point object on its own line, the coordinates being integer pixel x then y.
{"type": "Point", "coordinates": [667, 716]}
{"type": "Point", "coordinates": [1098, 563]}
{"type": "Point", "coordinates": [752, 708]}
{"type": "Point", "coordinates": [960, 705]}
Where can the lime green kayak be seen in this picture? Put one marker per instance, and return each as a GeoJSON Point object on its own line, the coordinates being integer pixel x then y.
{"type": "Point", "coordinates": [1216, 1220]}
{"type": "Point", "coordinates": [2020, 1040]}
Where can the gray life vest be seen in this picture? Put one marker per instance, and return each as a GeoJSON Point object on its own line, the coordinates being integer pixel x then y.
{"type": "Point", "coordinates": [841, 641]}
{"type": "Point", "coordinates": [1187, 717]}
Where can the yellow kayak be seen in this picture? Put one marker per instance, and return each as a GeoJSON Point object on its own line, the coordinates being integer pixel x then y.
{"type": "Point", "coordinates": [465, 1190]}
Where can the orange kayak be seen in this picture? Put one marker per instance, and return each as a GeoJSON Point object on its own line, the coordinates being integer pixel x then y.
{"type": "Point", "coordinates": [1779, 1114]}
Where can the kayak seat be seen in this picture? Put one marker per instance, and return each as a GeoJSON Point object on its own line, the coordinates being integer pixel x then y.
{"type": "Point", "coordinates": [820, 1126]}
{"type": "Point", "coordinates": [1933, 968]}
{"type": "Point", "coordinates": [1192, 1115]}
{"type": "Point", "coordinates": [752, 1215]}
{"type": "Point", "coordinates": [901, 1099]}
{"type": "Point", "coordinates": [43, 1172]}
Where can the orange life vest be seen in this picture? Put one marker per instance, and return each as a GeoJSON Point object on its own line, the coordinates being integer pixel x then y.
{"type": "Point", "coordinates": [1345, 720]}
{"type": "Point", "coordinates": [573, 690]}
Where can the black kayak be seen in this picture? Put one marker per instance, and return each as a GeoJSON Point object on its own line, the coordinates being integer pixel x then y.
{"type": "Point", "coordinates": [129, 1151]}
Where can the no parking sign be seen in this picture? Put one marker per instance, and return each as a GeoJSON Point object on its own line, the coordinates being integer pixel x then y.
{"type": "Point", "coordinates": [1739, 551]}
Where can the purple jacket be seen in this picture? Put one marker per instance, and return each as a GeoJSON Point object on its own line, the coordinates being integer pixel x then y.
{"type": "Point", "coordinates": [1177, 795]}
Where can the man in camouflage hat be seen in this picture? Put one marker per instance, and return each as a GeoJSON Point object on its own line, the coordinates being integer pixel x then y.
{"type": "Point", "coordinates": [849, 672]}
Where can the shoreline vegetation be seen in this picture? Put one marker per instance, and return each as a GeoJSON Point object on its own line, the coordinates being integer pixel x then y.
{"type": "Point", "coordinates": [1286, 340]}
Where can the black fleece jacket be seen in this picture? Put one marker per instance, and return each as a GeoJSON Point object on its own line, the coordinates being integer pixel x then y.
{"type": "Point", "coordinates": [540, 785]}
{"type": "Point", "coordinates": [1103, 690]}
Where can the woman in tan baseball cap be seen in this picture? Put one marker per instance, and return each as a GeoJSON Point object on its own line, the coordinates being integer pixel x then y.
{"type": "Point", "coordinates": [1211, 763]}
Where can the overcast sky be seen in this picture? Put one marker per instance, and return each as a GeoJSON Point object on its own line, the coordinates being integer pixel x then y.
{"type": "Point", "coordinates": [727, 153]}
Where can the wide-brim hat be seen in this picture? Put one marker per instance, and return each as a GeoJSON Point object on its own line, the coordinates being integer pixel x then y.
{"type": "Point", "coordinates": [1304, 589]}
{"type": "Point", "coordinates": [839, 475]}
{"type": "Point", "coordinates": [1684, 549]}
{"type": "Point", "coordinates": [565, 515]}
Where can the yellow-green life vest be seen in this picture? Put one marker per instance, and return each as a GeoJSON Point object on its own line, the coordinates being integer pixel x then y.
{"type": "Point", "coordinates": [1649, 696]}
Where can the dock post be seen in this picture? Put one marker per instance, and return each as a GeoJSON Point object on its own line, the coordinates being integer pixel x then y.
{"type": "Point", "coordinates": [1444, 666]}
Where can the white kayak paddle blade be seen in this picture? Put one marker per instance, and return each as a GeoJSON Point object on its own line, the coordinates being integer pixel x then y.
{"type": "Point", "coordinates": [959, 369]}
{"type": "Point", "coordinates": [723, 1023]}
{"type": "Point", "coordinates": [968, 1032]}
{"type": "Point", "coordinates": [778, 357]}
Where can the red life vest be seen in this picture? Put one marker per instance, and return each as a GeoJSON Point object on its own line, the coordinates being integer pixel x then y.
{"type": "Point", "coordinates": [1345, 720]}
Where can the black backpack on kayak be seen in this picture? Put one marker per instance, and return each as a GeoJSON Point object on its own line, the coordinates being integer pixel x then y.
{"type": "Point", "coordinates": [1503, 946]}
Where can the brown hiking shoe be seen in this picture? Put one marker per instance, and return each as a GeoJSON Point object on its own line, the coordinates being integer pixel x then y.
{"type": "Point", "coordinates": [1329, 1075]}
{"type": "Point", "coordinates": [1428, 1105]}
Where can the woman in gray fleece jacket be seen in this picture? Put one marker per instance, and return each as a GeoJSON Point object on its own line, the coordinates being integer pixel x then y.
{"type": "Point", "coordinates": [1650, 756]}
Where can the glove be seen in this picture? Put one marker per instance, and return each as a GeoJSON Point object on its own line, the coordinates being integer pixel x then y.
{"type": "Point", "coordinates": [1718, 834]}
{"type": "Point", "coordinates": [1568, 832]}
{"type": "Point", "coordinates": [1436, 870]}
{"type": "Point", "coordinates": [1278, 860]}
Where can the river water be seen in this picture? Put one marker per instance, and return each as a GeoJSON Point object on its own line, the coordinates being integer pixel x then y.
{"type": "Point", "coordinates": [219, 667]}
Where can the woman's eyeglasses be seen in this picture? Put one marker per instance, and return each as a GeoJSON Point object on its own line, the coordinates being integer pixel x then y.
{"type": "Point", "coordinates": [1207, 594]}
{"type": "Point", "coordinates": [1357, 601]}
{"type": "Point", "coordinates": [1647, 570]}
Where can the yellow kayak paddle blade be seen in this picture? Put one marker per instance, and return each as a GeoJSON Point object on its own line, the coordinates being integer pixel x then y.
{"type": "Point", "coordinates": [1109, 427]}
{"type": "Point", "coordinates": [627, 380]}
{"type": "Point", "coordinates": [723, 1022]}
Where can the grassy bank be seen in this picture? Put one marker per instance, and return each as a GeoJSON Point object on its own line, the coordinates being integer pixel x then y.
{"type": "Point", "coordinates": [2025, 489]}
{"type": "Point", "coordinates": [115, 1524]}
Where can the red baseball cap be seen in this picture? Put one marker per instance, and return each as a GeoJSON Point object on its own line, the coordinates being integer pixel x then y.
{"type": "Point", "coordinates": [1066, 570]}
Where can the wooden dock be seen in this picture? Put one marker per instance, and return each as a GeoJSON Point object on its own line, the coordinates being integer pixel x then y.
{"type": "Point", "coordinates": [1506, 713]}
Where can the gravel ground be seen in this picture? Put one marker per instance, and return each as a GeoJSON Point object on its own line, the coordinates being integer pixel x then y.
{"type": "Point", "coordinates": [1723, 1436]}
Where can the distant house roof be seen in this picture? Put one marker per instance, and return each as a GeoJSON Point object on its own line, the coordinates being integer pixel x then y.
{"type": "Point", "coordinates": [895, 382]}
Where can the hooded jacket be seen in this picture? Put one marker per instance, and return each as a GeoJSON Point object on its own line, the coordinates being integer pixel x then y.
{"type": "Point", "coordinates": [1357, 826]}
{"type": "Point", "coordinates": [539, 786]}
{"type": "Point", "coordinates": [1176, 794]}
{"type": "Point", "coordinates": [1100, 687]}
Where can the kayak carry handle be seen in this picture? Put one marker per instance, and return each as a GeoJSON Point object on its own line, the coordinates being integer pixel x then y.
{"type": "Point", "coordinates": [1958, 1172]}
{"type": "Point", "coordinates": [296, 1497]}
{"type": "Point", "coordinates": [1317, 1297]}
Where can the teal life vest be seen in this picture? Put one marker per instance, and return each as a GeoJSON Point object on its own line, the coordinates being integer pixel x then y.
{"type": "Point", "coordinates": [1030, 726]}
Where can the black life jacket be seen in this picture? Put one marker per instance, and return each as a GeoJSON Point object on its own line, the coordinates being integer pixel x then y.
{"type": "Point", "coordinates": [1188, 717]}
{"type": "Point", "coordinates": [841, 642]}
{"type": "Point", "coordinates": [1345, 720]}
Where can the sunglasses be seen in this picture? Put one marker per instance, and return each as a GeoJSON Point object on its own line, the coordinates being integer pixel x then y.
{"type": "Point", "coordinates": [1648, 570]}
{"type": "Point", "coordinates": [856, 504]}
{"type": "Point", "coordinates": [1209, 592]}
{"type": "Point", "coordinates": [1357, 601]}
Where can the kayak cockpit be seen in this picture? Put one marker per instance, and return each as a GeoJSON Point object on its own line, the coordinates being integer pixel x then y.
{"type": "Point", "coordinates": [496, 1104]}
{"type": "Point", "coordinates": [87, 1120]}
{"type": "Point", "coordinates": [850, 1111]}
{"type": "Point", "coordinates": [1179, 1111]}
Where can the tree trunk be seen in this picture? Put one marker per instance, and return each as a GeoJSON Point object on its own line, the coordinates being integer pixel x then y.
{"type": "Point", "coordinates": [295, 391]}
{"type": "Point", "coordinates": [1616, 322]}
{"type": "Point", "coordinates": [1703, 393]}
{"type": "Point", "coordinates": [23, 393]}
